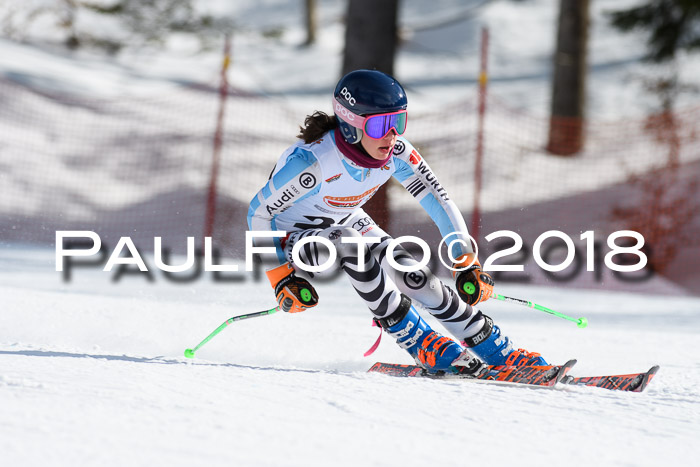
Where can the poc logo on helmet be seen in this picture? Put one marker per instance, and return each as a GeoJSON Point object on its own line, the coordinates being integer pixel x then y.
{"type": "Point", "coordinates": [343, 112]}
{"type": "Point", "coordinates": [348, 97]}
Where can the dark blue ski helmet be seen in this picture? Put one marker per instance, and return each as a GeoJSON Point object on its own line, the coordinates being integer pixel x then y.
{"type": "Point", "coordinates": [367, 92]}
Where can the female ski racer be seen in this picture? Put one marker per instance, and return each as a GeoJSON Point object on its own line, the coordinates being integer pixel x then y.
{"type": "Point", "coordinates": [318, 188]}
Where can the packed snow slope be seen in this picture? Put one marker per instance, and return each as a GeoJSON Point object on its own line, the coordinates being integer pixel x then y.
{"type": "Point", "coordinates": [92, 372]}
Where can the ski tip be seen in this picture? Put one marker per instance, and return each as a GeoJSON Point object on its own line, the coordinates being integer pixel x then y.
{"type": "Point", "coordinates": [635, 382]}
{"type": "Point", "coordinates": [646, 379]}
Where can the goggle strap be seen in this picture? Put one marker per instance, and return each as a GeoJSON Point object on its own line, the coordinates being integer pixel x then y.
{"type": "Point", "coordinates": [349, 117]}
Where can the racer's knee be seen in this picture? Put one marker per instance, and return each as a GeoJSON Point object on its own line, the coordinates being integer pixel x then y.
{"type": "Point", "coordinates": [420, 279]}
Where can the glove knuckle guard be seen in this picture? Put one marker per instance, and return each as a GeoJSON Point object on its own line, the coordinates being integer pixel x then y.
{"type": "Point", "coordinates": [294, 294]}
{"type": "Point", "coordinates": [474, 285]}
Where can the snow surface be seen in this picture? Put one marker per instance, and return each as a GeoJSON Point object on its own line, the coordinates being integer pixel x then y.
{"type": "Point", "coordinates": [93, 373]}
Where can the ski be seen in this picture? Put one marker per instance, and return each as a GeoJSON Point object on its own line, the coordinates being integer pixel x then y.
{"type": "Point", "coordinates": [538, 376]}
{"type": "Point", "coordinates": [635, 382]}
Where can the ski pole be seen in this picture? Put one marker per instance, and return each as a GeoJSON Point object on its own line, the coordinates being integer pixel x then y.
{"type": "Point", "coordinates": [580, 322]}
{"type": "Point", "coordinates": [189, 353]}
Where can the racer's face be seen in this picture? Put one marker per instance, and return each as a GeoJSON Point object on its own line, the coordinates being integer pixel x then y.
{"type": "Point", "coordinates": [380, 148]}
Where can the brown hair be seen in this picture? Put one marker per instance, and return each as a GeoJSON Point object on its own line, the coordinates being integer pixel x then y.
{"type": "Point", "coordinates": [315, 125]}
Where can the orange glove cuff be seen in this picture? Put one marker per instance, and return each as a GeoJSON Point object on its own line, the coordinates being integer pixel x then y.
{"type": "Point", "coordinates": [466, 260]}
{"type": "Point", "coordinates": [277, 274]}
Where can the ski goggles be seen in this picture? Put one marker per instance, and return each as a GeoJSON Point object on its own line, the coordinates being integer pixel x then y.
{"type": "Point", "coordinates": [375, 126]}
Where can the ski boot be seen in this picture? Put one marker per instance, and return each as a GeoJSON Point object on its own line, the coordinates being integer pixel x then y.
{"type": "Point", "coordinates": [495, 349]}
{"type": "Point", "coordinates": [429, 349]}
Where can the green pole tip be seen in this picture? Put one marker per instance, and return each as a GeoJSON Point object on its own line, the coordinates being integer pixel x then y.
{"type": "Point", "coordinates": [189, 353]}
{"type": "Point", "coordinates": [582, 323]}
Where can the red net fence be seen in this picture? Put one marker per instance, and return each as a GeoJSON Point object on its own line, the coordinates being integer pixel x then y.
{"type": "Point", "coordinates": [141, 167]}
{"type": "Point", "coordinates": [132, 167]}
{"type": "Point", "coordinates": [635, 174]}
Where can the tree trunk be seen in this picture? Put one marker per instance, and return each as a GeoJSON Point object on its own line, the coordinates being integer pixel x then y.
{"type": "Point", "coordinates": [569, 81]}
{"type": "Point", "coordinates": [370, 43]}
{"type": "Point", "coordinates": [310, 22]}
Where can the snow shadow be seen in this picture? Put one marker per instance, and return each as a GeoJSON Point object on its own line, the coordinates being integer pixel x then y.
{"type": "Point", "coordinates": [155, 360]}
